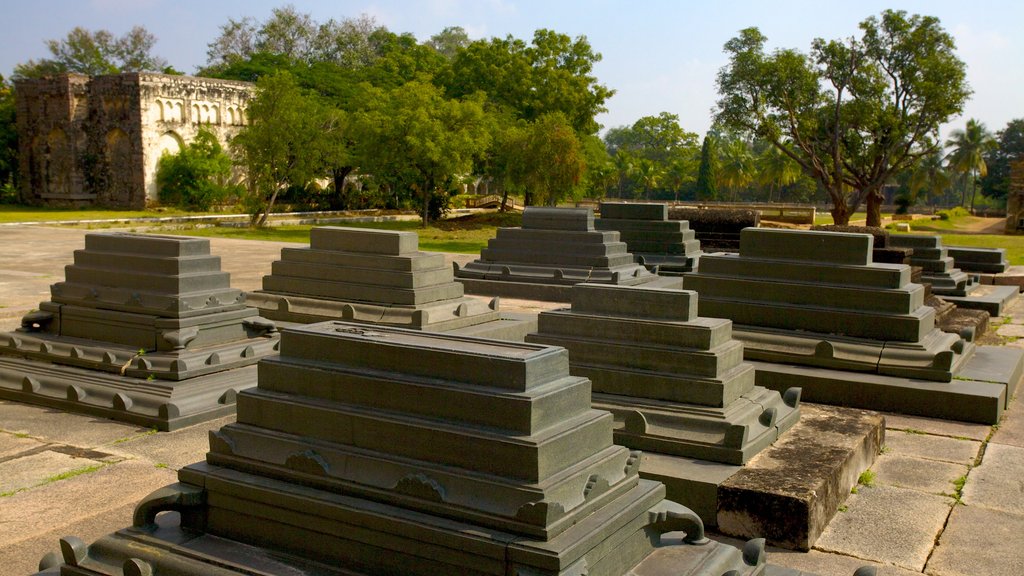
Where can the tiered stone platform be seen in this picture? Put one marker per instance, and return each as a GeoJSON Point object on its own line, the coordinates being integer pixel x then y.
{"type": "Point", "coordinates": [951, 283]}
{"type": "Point", "coordinates": [376, 277]}
{"type": "Point", "coordinates": [383, 451]}
{"type": "Point", "coordinates": [554, 249]}
{"type": "Point", "coordinates": [680, 390]}
{"type": "Point", "coordinates": [980, 260]}
{"type": "Point", "coordinates": [144, 329]}
{"type": "Point", "coordinates": [665, 246]}
{"type": "Point", "coordinates": [814, 310]}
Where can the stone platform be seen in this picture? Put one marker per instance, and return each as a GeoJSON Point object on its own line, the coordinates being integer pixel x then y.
{"type": "Point", "coordinates": [990, 298]}
{"type": "Point", "coordinates": [790, 491]}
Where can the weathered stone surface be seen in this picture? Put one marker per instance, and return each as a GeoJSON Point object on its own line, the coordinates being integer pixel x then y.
{"type": "Point", "coordinates": [956, 450]}
{"type": "Point", "coordinates": [979, 542]}
{"type": "Point", "coordinates": [921, 474]}
{"type": "Point", "coordinates": [371, 276]}
{"type": "Point", "coordinates": [790, 491]}
{"type": "Point", "coordinates": [414, 453]}
{"type": "Point", "coordinates": [665, 246]}
{"type": "Point", "coordinates": [908, 423]}
{"type": "Point", "coordinates": [97, 140]}
{"type": "Point", "coordinates": [905, 540]}
{"type": "Point", "coordinates": [555, 247]}
{"type": "Point", "coordinates": [990, 298]}
{"type": "Point", "coordinates": [986, 260]}
{"type": "Point", "coordinates": [675, 382]}
{"type": "Point", "coordinates": [866, 323]}
{"type": "Point", "coordinates": [996, 483]}
{"type": "Point", "coordinates": [144, 329]}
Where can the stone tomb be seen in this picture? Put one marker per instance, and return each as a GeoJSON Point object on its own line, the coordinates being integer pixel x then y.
{"type": "Point", "coordinates": [665, 246]}
{"type": "Point", "coordinates": [680, 391]}
{"type": "Point", "coordinates": [144, 329]}
{"type": "Point", "coordinates": [982, 260]}
{"type": "Point", "coordinates": [554, 249]}
{"type": "Point", "coordinates": [383, 451]}
{"type": "Point", "coordinates": [813, 310]}
{"type": "Point", "coordinates": [951, 283]}
{"type": "Point", "coordinates": [377, 277]}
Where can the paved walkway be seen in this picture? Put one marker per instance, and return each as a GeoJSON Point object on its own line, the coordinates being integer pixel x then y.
{"type": "Point", "coordinates": [945, 498]}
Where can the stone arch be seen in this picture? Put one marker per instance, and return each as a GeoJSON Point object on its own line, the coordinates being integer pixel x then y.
{"type": "Point", "coordinates": [195, 114]}
{"type": "Point", "coordinates": [215, 114]}
{"type": "Point", "coordinates": [156, 112]}
{"type": "Point", "coordinates": [170, 143]}
{"type": "Point", "coordinates": [178, 113]}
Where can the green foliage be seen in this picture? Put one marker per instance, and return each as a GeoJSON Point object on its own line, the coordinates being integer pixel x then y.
{"type": "Point", "coordinates": [552, 74]}
{"type": "Point", "coordinates": [292, 139]}
{"type": "Point", "coordinates": [970, 145]}
{"type": "Point", "coordinates": [953, 213]}
{"type": "Point", "coordinates": [544, 159]}
{"type": "Point", "coordinates": [655, 156]}
{"type": "Point", "coordinates": [98, 52]}
{"type": "Point", "coordinates": [707, 174]}
{"type": "Point", "coordinates": [196, 177]}
{"type": "Point", "coordinates": [8, 144]}
{"type": "Point", "coordinates": [851, 113]}
{"type": "Point", "coordinates": [866, 478]}
{"type": "Point", "coordinates": [996, 184]}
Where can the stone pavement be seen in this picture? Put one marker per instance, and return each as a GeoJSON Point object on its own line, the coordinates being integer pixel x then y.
{"type": "Point", "coordinates": [944, 498]}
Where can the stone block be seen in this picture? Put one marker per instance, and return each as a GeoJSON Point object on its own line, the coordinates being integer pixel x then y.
{"type": "Point", "coordinates": [799, 245]}
{"type": "Point", "coordinates": [569, 219]}
{"type": "Point", "coordinates": [986, 260]}
{"type": "Point", "coordinates": [363, 240]}
{"type": "Point", "coordinates": [633, 211]}
{"type": "Point", "coordinates": [635, 302]}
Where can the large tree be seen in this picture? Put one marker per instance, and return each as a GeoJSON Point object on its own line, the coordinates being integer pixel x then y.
{"type": "Point", "coordinates": [967, 157]}
{"type": "Point", "coordinates": [706, 187]}
{"type": "Point", "coordinates": [552, 74]}
{"type": "Point", "coordinates": [852, 113]}
{"type": "Point", "coordinates": [413, 138]}
{"type": "Point", "coordinates": [98, 52]}
{"type": "Point", "coordinates": [8, 138]}
{"type": "Point", "coordinates": [544, 159]}
{"type": "Point", "coordinates": [292, 139]}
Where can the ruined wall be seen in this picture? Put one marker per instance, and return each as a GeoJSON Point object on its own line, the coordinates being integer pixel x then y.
{"type": "Point", "coordinates": [98, 140]}
{"type": "Point", "coordinates": [1015, 198]}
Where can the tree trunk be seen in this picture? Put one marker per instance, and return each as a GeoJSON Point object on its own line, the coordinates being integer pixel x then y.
{"type": "Point", "coordinates": [426, 206]}
{"type": "Point", "coordinates": [339, 175]}
{"type": "Point", "coordinates": [874, 208]}
{"type": "Point", "coordinates": [267, 209]}
{"type": "Point", "coordinates": [840, 212]}
{"type": "Point", "coordinates": [504, 200]}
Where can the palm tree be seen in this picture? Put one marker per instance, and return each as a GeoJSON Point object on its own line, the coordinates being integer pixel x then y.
{"type": "Point", "coordinates": [648, 173]}
{"type": "Point", "coordinates": [968, 155]}
{"type": "Point", "coordinates": [775, 169]}
{"type": "Point", "coordinates": [736, 169]}
{"type": "Point", "coordinates": [624, 167]}
{"type": "Point", "coordinates": [930, 176]}
{"type": "Point", "coordinates": [681, 171]}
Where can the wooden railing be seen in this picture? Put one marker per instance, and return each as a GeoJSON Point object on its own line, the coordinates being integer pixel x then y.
{"type": "Point", "coordinates": [490, 201]}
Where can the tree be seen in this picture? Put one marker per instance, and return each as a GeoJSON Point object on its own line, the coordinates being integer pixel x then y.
{"type": "Point", "coordinates": [736, 165]}
{"type": "Point", "coordinates": [852, 113]}
{"type": "Point", "coordinates": [649, 174]}
{"type": "Point", "coordinates": [552, 74]}
{"type": "Point", "coordinates": [996, 183]}
{"type": "Point", "coordinates": [95, 53]}
{"type": "Point", "coordinates": [707, 174]}
{"type": "Point", "coordinates": [968, 155]}
{"type": "Point", "coordinates": [544, 159]}
{"type": "Point", "coordinates": [291, 139]}
{"type": "Point", "coordinates": [929, 176]}
{"type": "Point", "coordinates": [196, 177]}
{"type": "Point", "coordinates": [8, 142]}
{"type": "Point", "coordinates": [775, 170]}
{"type": "Point", "coordinates": [449, 41]}
{"type": "Point", "coordinates": [411, 137]}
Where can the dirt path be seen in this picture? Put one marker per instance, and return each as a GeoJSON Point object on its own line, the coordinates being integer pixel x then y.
{"type": "Point", "coordinates": [984, 226]}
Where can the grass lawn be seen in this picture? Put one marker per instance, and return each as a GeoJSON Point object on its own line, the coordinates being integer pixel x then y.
{"type": "Point", "coordinates": [466, 235]}
{"type": "Point", "coordinates": [1014, 245]}
{"type": "Point", "coordinates": [823, 217]}
{"type": "Point", "coordinates": [13, 213]}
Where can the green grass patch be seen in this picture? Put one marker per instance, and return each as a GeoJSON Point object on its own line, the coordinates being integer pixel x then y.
{"type": "Point", "coordinates": [14, 213]}
{"type": "Point", "coordinates": [465, 235]}
{"type": "Point", "coordinates": [866, 478]}
{"type": "Point", "coordinates": [1014, 245]}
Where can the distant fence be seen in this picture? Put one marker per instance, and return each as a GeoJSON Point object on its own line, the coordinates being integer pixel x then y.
{"type": "Point", "coordinates": [789, 213]}
{"type": "Point", "coordinates": [490, 201]}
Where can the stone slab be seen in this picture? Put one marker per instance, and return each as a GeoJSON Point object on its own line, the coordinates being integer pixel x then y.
{"type": "Point", "coordinates": [979, 542]}
{"type": "Point", "coordinates": [992, 299]}
{"type": "Point", "coordinates": [543, 292]}
{"type": "Point", "coordinates": [634, 211]}
{"type": "Point", "coordinates": [39, 468]}
{"type": "Point", "coordinates": [688, 481]}
{"type": "Point", "coordinates": [937, 426]}
{"type": "Point", "coordinates": [344, 239]}
{"type": "Point", "coordinates": [790, 491]}
{"type": "Point", "coordinates": [905, 540]}
{"type": "Point", "coordinates": [804, 245]}
{"type": "Point", "coordinates": [964, 400]}
{"type": "Point", "coordinates": [997, 482]}
{"type": "Point", "coordinates": [63, 427]}
{"type": "Point", "coordinates": [997, 364]}
{"type": "Point", "coordinates": [577, 219]}
{"type": "Point", "coordinates": [511, 326]}
{"type": "Point", "coordinates": [1014, 276]}
{"type": "Point", "coordinates": [13, 444]}
{"type": "Point", "coordinates": [989, 260]}
{"type": "Point", "coordinates": [923, 475]}
{"type": "Point", "coordinates": [930, 447]}
{"type": "Point", "coordinates": [1011, 429]}
{"type": "Point", "coordinates": [176, 449]}
{"type": "Point", "coordinates": [816, 562]}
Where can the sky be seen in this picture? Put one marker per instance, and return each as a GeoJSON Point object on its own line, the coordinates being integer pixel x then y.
{"type": "Point", "coordinates": [658, 55]}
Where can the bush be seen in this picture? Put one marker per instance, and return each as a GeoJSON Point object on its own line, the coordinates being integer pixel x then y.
{"type": "Point", "coordinates": [950, 214]}
{"type": "Point", "coordinates": [195, 178]}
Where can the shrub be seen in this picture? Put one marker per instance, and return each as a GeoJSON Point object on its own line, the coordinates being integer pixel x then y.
{"type": "Point", "coordinates": [196, 177]}
{"type": "Point", "coordinates": [955, 212]}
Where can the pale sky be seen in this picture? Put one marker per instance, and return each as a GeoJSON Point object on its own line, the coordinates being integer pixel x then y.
{"type": "Point", "coordinates": [658, 55]}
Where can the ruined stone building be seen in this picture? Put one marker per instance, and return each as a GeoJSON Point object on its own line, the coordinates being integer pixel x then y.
{"type": "Point", "coordinates": [97, 140]}
{"type": "Point", "coordinates": [1015, 198]}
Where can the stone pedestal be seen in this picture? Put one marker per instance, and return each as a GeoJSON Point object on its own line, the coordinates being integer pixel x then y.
{"type": "Point", "coordinates": [376, 277]}
{"type": "Point", "coordinates": [367, 450]}
{"type": "Point", "coordinates": [665, 246]}
{"type": "Point", "coordinates": [814, 308]}
{"type": "Point", "coordinates": [554, 249]}
{"type": "Point", "coordinates": [144, 329]}
{"type": "Point", "coordinates": [980, 260]}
